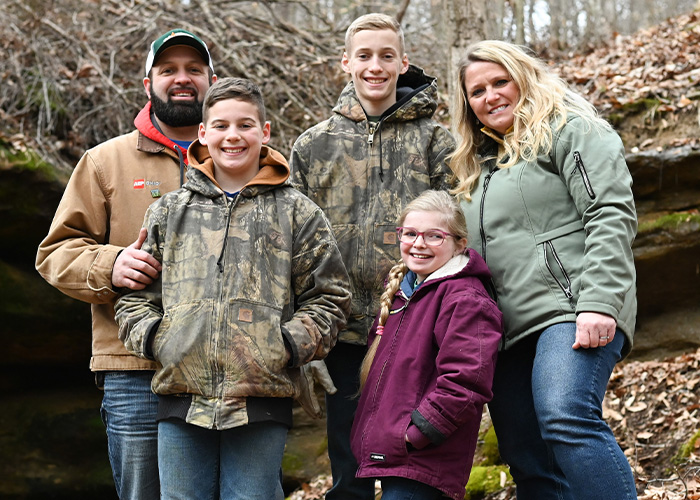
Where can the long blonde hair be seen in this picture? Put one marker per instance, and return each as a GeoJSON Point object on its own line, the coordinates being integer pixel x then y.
{"type": "Point", "coordinates": [544, 97]}
{"type": "Point", "coordinates": [453, 219]}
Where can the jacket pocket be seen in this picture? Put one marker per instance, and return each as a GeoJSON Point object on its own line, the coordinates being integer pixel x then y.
{"type": "Point", "coordinates": [561, 250]}
{"type": "Point", "coordinates": [251, 350]}
{"type": "Point", "coordinates": [182, 346]}
{"type": "Point", "coordinates": [584, 175]}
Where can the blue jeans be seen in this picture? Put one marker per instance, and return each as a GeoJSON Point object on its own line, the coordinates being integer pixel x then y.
{"type": "Point", "coordinates": [343, 363]}
{"type": "Point", "coordinates": [129, 413]}
{"type": "Point", "coordinates": [399, 488]}
{"type": "Point", "coordinates": [242, 463]}
{"type": "Point", "coordinates": [547, 414]}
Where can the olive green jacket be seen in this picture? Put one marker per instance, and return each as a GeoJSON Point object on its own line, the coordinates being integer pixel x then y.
{"type": "Point", "coordinates": [557, 233]}
{"type": "Point", "coordinates": [362, 175]}
{"type": "Point", "coordinates": [250, 290]}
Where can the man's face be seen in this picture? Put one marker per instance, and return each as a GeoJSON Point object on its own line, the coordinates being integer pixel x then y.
{"type": "Point", "coordinates": [176, 86]}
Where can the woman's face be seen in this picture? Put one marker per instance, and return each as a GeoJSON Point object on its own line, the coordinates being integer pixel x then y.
{"type": "Point", "coordinates": [492, 94]}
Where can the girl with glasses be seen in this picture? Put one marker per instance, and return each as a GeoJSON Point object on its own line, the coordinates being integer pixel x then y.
{"type": "Point", "coordinates": [429, 368]}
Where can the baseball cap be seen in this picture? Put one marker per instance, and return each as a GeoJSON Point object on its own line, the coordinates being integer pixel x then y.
{"type": "Point", "coordinates": [177, 37]}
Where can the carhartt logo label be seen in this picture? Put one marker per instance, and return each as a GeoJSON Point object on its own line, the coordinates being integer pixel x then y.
{"type": "Point", "coordinates": [139, 183]}
{"type": "Point", "coordinates": [245, 315]}
{"type": "Point", "coordinates": [377, 457]}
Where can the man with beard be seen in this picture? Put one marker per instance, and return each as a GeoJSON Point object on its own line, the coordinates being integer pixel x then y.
{"type": "Point", "coordinates": [93, 249]}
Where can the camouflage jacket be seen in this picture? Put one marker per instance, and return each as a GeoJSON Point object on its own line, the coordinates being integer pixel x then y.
{"type": "Point", "coordinates": [250, 290]}
{"type": "Point", "coordinates": [363, 174]}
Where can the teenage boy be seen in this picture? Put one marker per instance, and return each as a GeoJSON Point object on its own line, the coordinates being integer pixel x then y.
{"type": "Point", "coordinates": [93, 251]}
{"type": "Point", "coordinates": [378, 151]}
{"type": "Point", "coordinates": [253, 286]}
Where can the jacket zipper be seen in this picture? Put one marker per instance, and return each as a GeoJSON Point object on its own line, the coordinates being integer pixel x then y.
{"type": "Point", "coordinates": [482, 232]}
{"type": "Point", "coordinates": [381, 373]}
{"type": "Point", "coordinates": [584, 175]}
{"type": "Point", "coordinates": [565, 288]}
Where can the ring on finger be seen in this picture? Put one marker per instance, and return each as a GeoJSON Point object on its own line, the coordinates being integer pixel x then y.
{"type": "Point", "coordinates": [604, 338]}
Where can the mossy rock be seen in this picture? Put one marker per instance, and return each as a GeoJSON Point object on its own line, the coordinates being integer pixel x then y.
{"type": "Point", "coordinates": [678, 222]}
{"type": "Point", "coordinates": [485, 480]}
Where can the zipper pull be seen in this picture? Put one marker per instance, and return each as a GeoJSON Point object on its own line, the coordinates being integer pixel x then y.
{"type": "Point", "coordinates": [370, 137]}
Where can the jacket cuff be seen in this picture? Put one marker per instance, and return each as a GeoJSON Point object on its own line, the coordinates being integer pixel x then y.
{"type": "Point", "coordinates": [99, 278]}
{"type": "Point", "coordinates": [150, 337]}
{"type": "Point", "coordinates": [424, 426]}
{"type": "Point", "coordinates": [291, 347]}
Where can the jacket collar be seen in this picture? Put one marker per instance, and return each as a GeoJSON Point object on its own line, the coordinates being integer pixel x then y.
{"type": "Point", "coordinates": [153, 140]}
{"type": "Point", "coordinates": [274, 171]}
{"type": "Point", "coordinates": [416, 98]}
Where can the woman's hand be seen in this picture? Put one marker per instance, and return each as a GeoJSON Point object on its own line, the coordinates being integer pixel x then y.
{"type": "Point", "coordinates": [594, 330]}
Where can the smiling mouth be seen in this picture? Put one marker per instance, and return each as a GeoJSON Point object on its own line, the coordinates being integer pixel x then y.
{"type": "Point", "coordinates": [375, 81]}
{"type": "Point", "coordinates": [232, 150]}
{"type": "Point", "coordinates": [180, 94]}
{"type": "Point", "coordinates": [498, 109]}
{"type": "Point", "coordinates": [421, 256]}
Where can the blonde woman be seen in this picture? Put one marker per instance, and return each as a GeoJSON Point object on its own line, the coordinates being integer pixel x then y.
{"type": "Point", "coordinates": [548, 197]}
{"type": "Point", "coordinates": [429, 368]}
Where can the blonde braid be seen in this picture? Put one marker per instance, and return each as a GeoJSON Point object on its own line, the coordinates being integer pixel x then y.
{"type": "Point", "coordinates": [396, 276]}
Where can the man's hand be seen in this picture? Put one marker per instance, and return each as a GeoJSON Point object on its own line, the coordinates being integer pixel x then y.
{"type": "Point", "coordinates": [135, 268]}
{"type": "Point", "coordinates": [312, 373]}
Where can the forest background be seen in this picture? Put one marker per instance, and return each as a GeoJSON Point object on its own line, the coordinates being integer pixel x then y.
{"type": "Point", "coordinates": [72, 69]}
{"type": "Point", "coordinates": [71, 78]}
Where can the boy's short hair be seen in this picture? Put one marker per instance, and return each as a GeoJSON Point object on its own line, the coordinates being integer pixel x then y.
{"type": "Point", "coordinates": [374, 22]}
{"type": "Point", "coordinates": [234, 88]}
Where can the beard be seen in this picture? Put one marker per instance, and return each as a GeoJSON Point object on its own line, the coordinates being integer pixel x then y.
{"type": "Point", "coordinates": [181, 114]}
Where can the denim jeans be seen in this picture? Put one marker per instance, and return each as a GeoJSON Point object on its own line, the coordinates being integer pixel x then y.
{"type": "Point", "coordinates": [242, 463]}
{"type": "Point", "coordinates": [547, 414]}
{"type": "Point", "coordinates": [343, 363]}
{"type": "Point", "coordinates": [129, 413]}
{"type": "Point", "coordinates": [399, 488]}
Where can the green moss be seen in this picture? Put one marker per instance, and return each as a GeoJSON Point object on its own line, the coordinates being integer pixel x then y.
{"type": "Point", "coordinates": [489, 448]}
{"type": "Point", "coordinates": [322, 447]}
{"type": "Point", "coordinates": [23, 158]}
{"type": "Point", "coordinates": [689, 447]}
{"type": "Point", "coordinates": [291, 462]}
{"type": "Point", "coordinates": [615, 119]}
{"type": "Point", "coordinates": [485, 480]}
{"type": "Point", "coordinates": [641, 105]}
{"type": "Point", "coordinates": [674, 221]}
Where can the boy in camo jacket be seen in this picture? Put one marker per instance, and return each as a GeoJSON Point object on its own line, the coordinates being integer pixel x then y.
{"type": "Point", "coordinates": [378, 151]}
{"type": "Point", "coordinates": [252, 287]}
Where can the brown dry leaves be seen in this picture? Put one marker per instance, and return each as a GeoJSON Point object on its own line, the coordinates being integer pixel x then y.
{"type": "Point", "coordinates": [652, 407]}
{"type": "Point", "coordinates": [660, 63]}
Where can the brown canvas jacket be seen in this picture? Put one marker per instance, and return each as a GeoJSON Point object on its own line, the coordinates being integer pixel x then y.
{"type": "Point", "coordinates": [101, 213]}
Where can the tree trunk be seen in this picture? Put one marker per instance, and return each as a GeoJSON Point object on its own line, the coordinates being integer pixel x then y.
{"type": "Point", "coordinates": [519, 18]}
{"type": "Point", "coordinates": [464, 22]}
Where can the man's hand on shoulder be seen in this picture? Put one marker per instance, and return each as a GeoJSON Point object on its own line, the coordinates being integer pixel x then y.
{"type": "Point", "coordinates": [135, 268]}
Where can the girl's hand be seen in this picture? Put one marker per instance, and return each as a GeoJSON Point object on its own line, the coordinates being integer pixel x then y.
{"type": "Point", "coordinates": [594, 330]}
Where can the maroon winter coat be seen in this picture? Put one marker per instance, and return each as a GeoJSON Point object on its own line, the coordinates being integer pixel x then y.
{"type": "Point", "coordinates": [430, 379]}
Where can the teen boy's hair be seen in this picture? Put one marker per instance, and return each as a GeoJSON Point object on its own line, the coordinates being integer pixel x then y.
{"type": "Point", "coordinates": [234, 88]}
{"type": "Point", "coordinates": [374, 22]}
